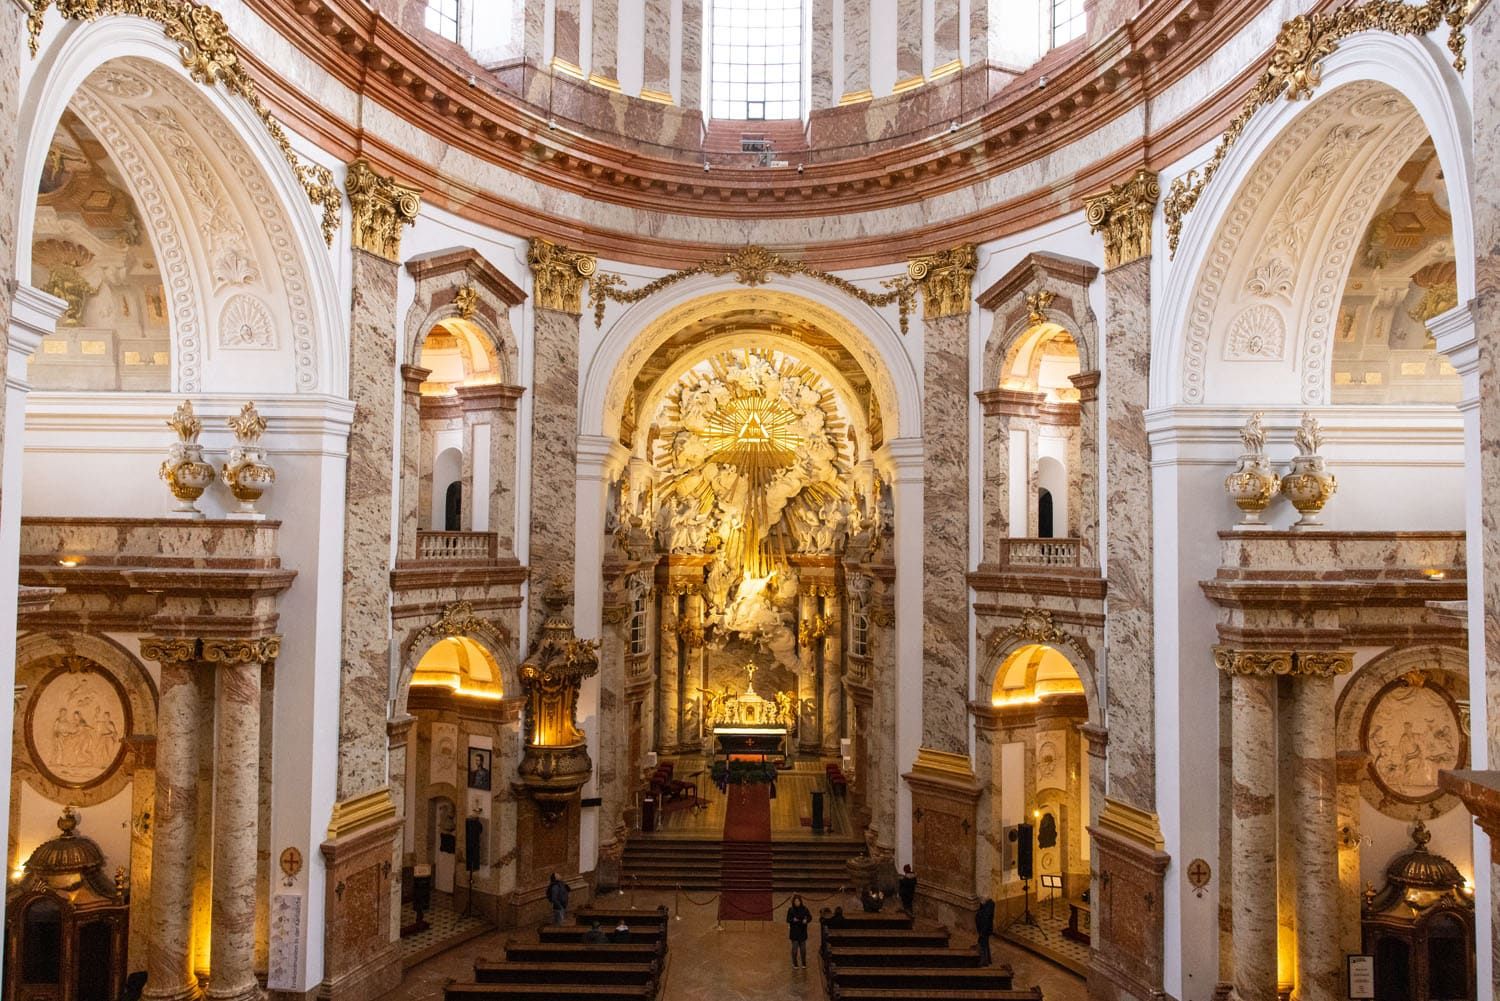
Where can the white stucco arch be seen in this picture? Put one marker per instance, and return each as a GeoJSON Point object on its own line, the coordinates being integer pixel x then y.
{"type": "Point", "coordinates": [869, 337]}
{"type": "Point", "coordinates": [1430, 86]}
{"type": "Point", "coordinates": [283, 220]}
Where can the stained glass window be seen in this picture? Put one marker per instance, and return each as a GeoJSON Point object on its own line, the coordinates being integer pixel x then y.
{"type": "Point", "coordinates": [757, 59]}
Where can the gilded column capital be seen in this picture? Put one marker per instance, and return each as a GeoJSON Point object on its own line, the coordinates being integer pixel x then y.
{"type": "Point", "coordinates": [169, 649]}
{"type": "Point", "coordinates": [946, 279]}
{"type": "Point", "coordinates": [260, 650]}
{"type": "Point", "coordinates": [558, 274]}
{"type": "Point", "coordinates": [380, 207]}
{"type": "Point", "coordinates": [1124, 214]}
{"type": "Point", "coordinates": [1291, 663]}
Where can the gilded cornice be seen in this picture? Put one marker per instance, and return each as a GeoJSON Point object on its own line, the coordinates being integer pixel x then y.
{"type": "Point", "coordinates": [210, 56]}
{"type": "Point", "coordinates": [380, 208]}
{"type": "Point", "coordinates": [752, 265]}
{"type": "Point", "coordinates": [1124, 213]}
{"type": "Point", "coordinates": [1290, 663]}
{"type": "Point", "coordinates": [1295, 69]}
{"type": "Point", "coordinates": [946, 280]}
{"type": "Point", "coordinates": [558, 275]}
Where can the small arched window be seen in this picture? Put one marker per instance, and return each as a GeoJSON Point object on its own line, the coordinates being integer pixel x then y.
{"type": "Point", "coordinates": [453, 507]}
{"type": "Point", "coordinates": [1044, 527]}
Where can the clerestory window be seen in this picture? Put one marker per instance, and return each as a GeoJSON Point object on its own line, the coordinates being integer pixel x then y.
{"type": "Point", "coordinates": [441, 16]}
{"type": "Point", "coordinates": [1065, 22]}
{"type": "Point", "coordinates": [757, 59]}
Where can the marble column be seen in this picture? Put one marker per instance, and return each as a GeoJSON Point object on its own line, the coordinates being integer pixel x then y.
{"type": "Point", "coordinates": [821, 54]}
{"type": "Point", "coordinates": [1124, 216]}
{"type": "Point", "coordinates": [1350, 765]}
{"type": "Point", "coordinates": [880, 728]}
{"type": "Point", "coordinates": [946, 280]}
{"type": "Point", "coordinates": [945, 32]}
{"type": "Point", "coordinates": [1253, 879]}
{"type": "Point", "coordinates": [996, 476]}
{"type": "Point", "coordinates": [603, 58]}
{"type": "Point", "coordinates": [412, 377]}
{"type": "Point", "coordinates": [811, 686]}
{"type": "Point", "coordinates": [565, 31]}
{"type": "Point", "coordinates": [502, 498]}
{"type": "Point", "coordinates": [1085, 515]}
{"type": "Point", "coordinates": [656, 82]}
{"type": "Point", "coordinates": [908, 42]}
{"type": "Point", "coordinates": [833, 672]}
{"type": "Point", "coordinates": [669, 666]}
{"type": "Point", "coordinates": [690, 729]}
{"type": "Point", "coordinates": [614, 737]}
{"type": "Point", "coordinates": [856, 49]}
{"type": "Point", "coordinates": [1315, 840]}
{"type": "Point", "coordinates": [180, 709]}
{"type": "Point", "coordinates": [235, 812]}
{"type": "Point", "coordinates": [979, 32]}
{"type": "Point", "coordinates": [692, 54]}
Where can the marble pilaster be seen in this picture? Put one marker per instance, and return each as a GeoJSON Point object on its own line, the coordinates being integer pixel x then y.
{"type": "Point", "coordinates": [856, 26]}
{"type": "Point", "coordinates": [979, 32]}
{"type": "Point", "coordinates": [1349, 766]}
{"type": "Point", "coordinates": [946, 29]}
{"type": "Point", "coordinates": [614, 771]}
{"type": "Point", "coordinates": [692, 54]}
{"type": "Point", "coordinates": [412, 377]}
{"type": "Point", "coordinates": [690, 635]}
{"type": "Point", "coordinates": [1253, 878]}
{"type": "Point", "coordinates": [880, 728]}
{"type": "Point", "coordinates": [503, 470]}
{"type": "Point", "coordinates": [603, 57]}
{"type": "Point", "coordinates": [1083, 477]}
{"type": "Point", "coordinates": [996, 481]}
{"type": "Point", "coordinates": [945, 493]}
{"type": "Point", "coordinates": [1314, 813]}
{"type": "Point", "coordinates": [565, 31]}
{"type": "Point", "coordinates": [180, 710]}
{"type": "Point", "coordinates": [657, 78]}
{"type": "Point", "coordinates": [1131, 694]}
{"type": "Point", "coordinates": [908, 42]}
{"type": "Point", "coordinates": [669, 664]}
{"type": "Point", "coordinates": [833, 674]}
{"type": "Point", "coordinates": [237, 699]}
{"type": "Point", "coordinates": [554, 431]}
{"type": "Point", "coordinates": [534, 15]}
{"type": "Point", "coordinates": [821, 54]}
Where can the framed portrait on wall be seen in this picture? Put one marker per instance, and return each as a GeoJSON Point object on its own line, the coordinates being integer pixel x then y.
{"type": "Point", "coordinates": [479, 768]}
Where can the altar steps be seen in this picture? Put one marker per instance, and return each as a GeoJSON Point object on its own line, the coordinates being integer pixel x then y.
{"type": "Point", "coordinates": [697, 865]}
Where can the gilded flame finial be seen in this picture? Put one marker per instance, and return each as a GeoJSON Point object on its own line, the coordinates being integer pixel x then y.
{"type": "Point", "coordinates": [248, 425]}
{"type": "Point", "coordinates": [185, 472]}
{"type": "Point", "coordinates": [185, 422]}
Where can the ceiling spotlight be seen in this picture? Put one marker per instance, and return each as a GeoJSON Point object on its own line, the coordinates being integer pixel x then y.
{"type": "Point", "coordinates": [705, 166]}
{"type": "Point", "coordinates": [953, 125]}
{"type": "Point", "coordinates": [473, 80]}
{"type": "Point", "coordinates": [1042, 83]}
{"type": "Point", "coordinates": [552, 123]}
{"type": "Point", "coordinates": [801, 167]}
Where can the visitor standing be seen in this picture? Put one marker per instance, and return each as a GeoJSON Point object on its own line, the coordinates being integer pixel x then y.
{"type": "Point", "coordinates": [798, 917]}
{"type": "Point", "coordinates": [984, 925]}
{"type": "Point", "coordinates": [907, 888]}
{"type": "Point", "coordinates": [557, 896]}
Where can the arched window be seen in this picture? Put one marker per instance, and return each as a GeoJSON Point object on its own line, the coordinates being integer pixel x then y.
{"type": "Point", "coordinates": [757, 59]}
{"type": "Point", "coordinates": [1044, 527]}
{"type": "Point", "coordinates": [441, 16]}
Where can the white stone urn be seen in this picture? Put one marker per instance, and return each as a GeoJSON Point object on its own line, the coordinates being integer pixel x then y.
{"type": "Point", "coordinates": [1308, 484]}
{"type": "Point", "coordinates": [184, 470]}
{"type": "Point", "coordinates": [246, 473]}
{"type": "Point", "coordinates": [1254, 483]}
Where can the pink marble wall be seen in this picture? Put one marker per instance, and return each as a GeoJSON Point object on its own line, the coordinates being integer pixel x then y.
{"type": "Point", "coordinates": [658, 46]}
{"type": "Point", "coordinates": [12, 21]}
{"type": "Point", "coordinates": [604, 59]}
{"type": "Point", "coordinates": [945, 533]}
{"type": "Point", "coordinates": [367, 528]}
{"type": "Point", "coordinates": [565, 30]}
{"type": "Point", "coordinates": [908, 40]}
{"type": "Point", "coordinates": [1127, 351]}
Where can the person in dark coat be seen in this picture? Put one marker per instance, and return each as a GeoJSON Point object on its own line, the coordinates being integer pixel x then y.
{"type": "Point", "coordinates": [557, 896]}
{"type": "Point", "coordinates": [798, 917]}
{"type": "Point", "coordinates": [621, 932]}
{"type": "Point", "coordinates": [595, 935]}
{"type": "Point", "coordinates": [907, 888]}
{"type": "Point", "coordinates": [984, 926]}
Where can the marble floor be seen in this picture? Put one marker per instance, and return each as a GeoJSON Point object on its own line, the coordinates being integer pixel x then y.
{"type": "Point", "coordinates": [742, 961]}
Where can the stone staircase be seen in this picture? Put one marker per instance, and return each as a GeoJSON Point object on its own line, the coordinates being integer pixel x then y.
{"type": "Point", "coordinates": [696, 865]}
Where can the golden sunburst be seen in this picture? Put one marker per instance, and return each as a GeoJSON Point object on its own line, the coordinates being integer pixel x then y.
{"type": "Point", "coordinates": [753, 433]}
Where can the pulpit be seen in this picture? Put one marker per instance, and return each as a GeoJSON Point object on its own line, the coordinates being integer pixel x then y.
{"type": "Point", "coordinates": [1420, 928]}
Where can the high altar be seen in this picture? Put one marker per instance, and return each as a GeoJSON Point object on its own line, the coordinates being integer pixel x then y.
{"type": "Point", "coordinates": [748, 724]}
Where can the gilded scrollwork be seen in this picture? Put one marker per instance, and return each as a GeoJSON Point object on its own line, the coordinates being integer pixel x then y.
{"type": "Point", "coordinates": [558, 275]}
{"type": "Point", "coordinates": [259, 650]}
{"type": "Point", "coordinates": [209, 55]}
{"type": "Point", "coordinates": [380, 208]}
{"type": "Point", "coordinates": [1279, 663]}
{"type": "Point", "coordinates": [1124, 213]}
{"type": "Point", "coordinates": [946, 280]}
{"type": "Point", "coordinates": [1295, 70]}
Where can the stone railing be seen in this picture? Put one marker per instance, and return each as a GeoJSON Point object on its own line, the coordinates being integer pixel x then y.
{"type": "Point", "coordinates": [450, 547]}
{"type": "Point", "coordinates": [1039, 552]}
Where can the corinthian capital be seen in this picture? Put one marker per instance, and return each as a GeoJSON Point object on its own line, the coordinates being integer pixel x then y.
{"type": "Point", "coordinates": [1124, 214]}
{"type": "Point", "coordinates": [261, 650]}
{"type": "Point", "coordinates": [380, 207]}
{"type": "Point", "coordinates": [946, 279]}
{"type": "Point", "coordinates": [558, 275]}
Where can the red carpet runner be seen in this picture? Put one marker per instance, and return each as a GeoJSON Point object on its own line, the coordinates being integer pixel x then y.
{"type": "Point", "coordinates": [745, 874]}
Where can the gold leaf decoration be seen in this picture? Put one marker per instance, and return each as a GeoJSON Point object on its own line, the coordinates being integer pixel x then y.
{"type": "Point", "coordinates": [209, 55]}
{"type": "Point", "coordinates": [1296, 68]}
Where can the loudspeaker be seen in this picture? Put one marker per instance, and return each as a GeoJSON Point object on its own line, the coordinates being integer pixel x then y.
{"type": "Point", "coordinates": [1023, 851]}
{"type": "Point", "coordinates": [474, 843]}
{"type": "Point", "coordinates": [817, 813]}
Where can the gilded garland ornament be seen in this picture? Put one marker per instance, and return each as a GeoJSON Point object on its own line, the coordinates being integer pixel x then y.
{"type": "Point", "coordinates": [751, 265]}
{"type": "Point", "coordinates": [209, 55]}
{"type": "Point", "coordinates": [1295, 69]}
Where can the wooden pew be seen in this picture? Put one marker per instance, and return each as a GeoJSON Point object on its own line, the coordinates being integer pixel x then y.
{"type": "Point", "coordinates": [902, 994]}
{"type": "Point", "coordinates": [865, 919]}
{"type": "Point", "coordinates": [988, 978]}
{"type": "Point", "coordinates": [608, 916]}
{"type": "Point", "coordinates": [549, 992]}
{"type": "Point", "coordinates": [925, 958]}
{"type": "Point", "coordinates": [887, 938]}
{"type": "Point", "coordinates": [639, 934]}
{"type": "Point", "coordinates": [644, 953]}
{"type": "Point", "coordinates": [576, 974]}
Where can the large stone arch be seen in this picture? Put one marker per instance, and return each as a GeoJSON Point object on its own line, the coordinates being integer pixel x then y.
{"type": "Point", "coordinates": [458, 619]}
{"type": "Point", "coordinates": [1225, 232]}
{"type": "Point", "coordinates": [208, 178]}
{"type": "Point", "coordinates": [867, 335]}
{"type": "Point", "coordinates": [1038, 628]}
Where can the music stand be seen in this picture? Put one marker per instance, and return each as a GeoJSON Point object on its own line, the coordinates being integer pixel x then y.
{"type": "Point", "coordinates": [1051, 881]}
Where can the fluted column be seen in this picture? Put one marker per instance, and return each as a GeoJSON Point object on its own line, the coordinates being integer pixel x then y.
{"type": "Point", "coordinates": [1253, 825]}
{"type": "Point", "coordinates": [169, 957]}
{"type": "Point", "coordinates": [236, 666]}
{"type": "Point", "coordinates": [1315, 818]}
{"type": "Point", "coordinates": [1084, 513]}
